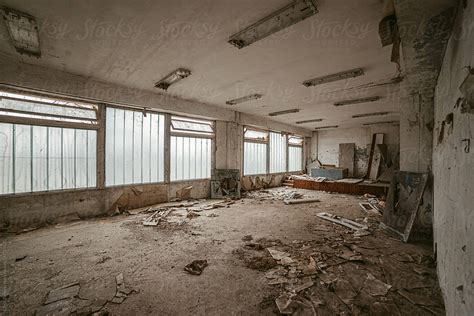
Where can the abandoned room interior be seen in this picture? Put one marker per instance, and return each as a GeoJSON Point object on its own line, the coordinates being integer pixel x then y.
{"type": "Point", "coordinates": [218, 157]}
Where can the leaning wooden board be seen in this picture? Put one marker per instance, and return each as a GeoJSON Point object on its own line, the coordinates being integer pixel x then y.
{"type": "Point", "coordinates": [403, 201]}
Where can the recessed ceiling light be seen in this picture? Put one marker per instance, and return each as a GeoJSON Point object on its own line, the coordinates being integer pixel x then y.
{"type": "Point", "coordinates": [324, 127]}
{"type": "Point", "coordinates": [334, 77]}
{"type": "Point", "coordinates": [172, 78]}
{"type": "Point", "coordinates": [284, 112]}
{"type": "Point", "coordinates": [291, 14]}
{"type": "Point", "coordinates": [309, 121]}
{"type": "Point", "coordinates": [23, 32]}
{"type": "Point", "coordinates": [356, 101]}
{"type": "Point", "coordinates": [370, 114]}
{"type": "Point", "coordinates": [244, 99]}
{"type": "Point", "coordinates": [377, 123]}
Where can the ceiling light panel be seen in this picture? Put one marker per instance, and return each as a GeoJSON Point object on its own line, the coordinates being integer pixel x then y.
{"type": "Point", "coordinates": [23, 32]}
{"type": "Point", "coordinates": [172, 78]}
{"type": "Point", "coordinates": [309, 121]}
{"type": "Point", "coordinates": [284, 112]}
{"type": "Point", "coordinates": [291, 14]}
{"type": "Point", "coordinates": [244, 99]}
{"type": "Point", "coordinates": [357, 101]}
{"type": "Point", "coordinates": [370, 114]}
{"type": "Point", "coordinates": [325, 127]}
{"type": "Point", "coordinates": [377, 123]}
{"type": "Point", "coordinates": [334, 77]}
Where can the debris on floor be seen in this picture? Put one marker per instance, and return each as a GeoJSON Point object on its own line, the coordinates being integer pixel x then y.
{"type": "Point", "coordinates": [342, 221]}
{"type": "Point", "coordinates": [196, 267]}
{"type": "Point", "coordinates": [122, 291]}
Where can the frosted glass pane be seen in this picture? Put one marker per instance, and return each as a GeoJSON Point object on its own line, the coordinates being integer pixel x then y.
{"type": "Point", "coordinates": [277, 145]}
{"type": "Point", "coordinates": [161, 155]}
{"type": "Point", "coordinates": [81, 159]}
{"type": "Point", "coordinates": [22, 158]}
{"type": "Point", "coordinates": [109, 146]}
{"type": "Point", "coordinates": [69, 148]}
{"type": "Point", "coordinates": [6, 158]}
{"type": "Point", "coordinates": [255, 158]}
{"type": "Point", "coordinates": [190, 158]}
{"type": "Point", "coordinates": [154, 145]}
{"type": "Point", "coordinates": [40, 158]}
{"type": "Point", "coordinates": [128, 133]}
{"type": "Point", "coordinates": [146, 150]}
{"type": "Point", "coordinates": [137, 147]}
{"type": "Point", "coordinates": [295, 162]}
{"type": "Point", "coordinates": [120, 133]}
{"type": "Point", "coordinates": [54, 158]}
{"type": "Point", "coordinates": [92, 158]}
{"type": "Point", "coordinates": [46, 109]}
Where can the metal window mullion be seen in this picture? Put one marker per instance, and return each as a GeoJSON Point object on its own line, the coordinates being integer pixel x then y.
{"type": "Point", "coordinates": [62, 158]}
{"type": "Point", "coordinates": [124, 150]}
{"type": "Point", "coordinates": [14, 157]}
{"type": "Point", "coordinates": [31, 158]}
{"type": "Point", "coordinates": [75, 158]}
{"type": "Point", "coordinates": [141, 145]}
{"type": "Point", "coordinates": [47, 158]}
{"type": "Point", "coordinates": [133, 150]}
{"type": "Point", "coordinates": [87, 159]}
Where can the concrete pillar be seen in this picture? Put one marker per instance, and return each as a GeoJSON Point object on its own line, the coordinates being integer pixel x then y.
{"type": "Point", "coordinates": [416, 147]}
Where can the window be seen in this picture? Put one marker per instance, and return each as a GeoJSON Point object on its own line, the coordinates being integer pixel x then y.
{"type": "Point", "coordinates": [191, 148]}
{"type": "Point", "coordinates": [295, 153]}
{"type": "Point", "coordinates": [134, 147]}
{"type": "Point", "coordinates": [277, 152]}
{"type": "Point", "coordinates": [38, 149]}
{"type": "Point", "coordinates": [255, 152]}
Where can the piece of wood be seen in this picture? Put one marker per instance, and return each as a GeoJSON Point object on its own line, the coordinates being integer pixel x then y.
{"type": "Point", "coordinates": [376, 139]}
{"type": "Point", "coordinates": [341, 221]}
{"type": "Point", "coordinates": [300, 201]}
{"type": "Point", "coordinates": [346, 157]}
{"type": "Point", "coordinates": [375, 166]}
{"type": "Point", "coordinates": [403, 200]}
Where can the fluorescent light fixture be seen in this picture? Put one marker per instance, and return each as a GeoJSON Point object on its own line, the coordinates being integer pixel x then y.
{"type": "Point", "coordinates": [334, 77]}
{"type": "Point", "coordinates": [309, 121]}
{"type": "Point", "coordinates": [284, 112]}
{"type": "Point", "coordinates": [377, 123]}
{"type": "Point", "coordinates": [23, 32]}
{"type": "Point", "coordinates": [173, 77]}
{"type": "Point", "coordinates": [291, 14]}
{"type": "Point", "coordinates": [324, 127]}
{"type": "Point", "coordinates": [244, 99]}
{"type": "Point", "coordinates": [357, 101]}
{"type": "Point", "coordinates": [370, 114]}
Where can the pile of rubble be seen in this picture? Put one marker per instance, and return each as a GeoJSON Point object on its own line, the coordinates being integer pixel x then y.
{"type": "Point", "coordinates": [343, 273]}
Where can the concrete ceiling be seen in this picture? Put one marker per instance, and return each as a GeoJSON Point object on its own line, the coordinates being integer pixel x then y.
{"type": "Point", "coordinates": [136, 43]}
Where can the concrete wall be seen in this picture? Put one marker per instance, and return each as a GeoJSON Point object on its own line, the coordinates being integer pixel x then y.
{"type": "Point", "coordinates": [453, 170]}
{"type": "Point", "coordinates": [327, 144]}
{"type": "Point", "coordinates": [36, 209]}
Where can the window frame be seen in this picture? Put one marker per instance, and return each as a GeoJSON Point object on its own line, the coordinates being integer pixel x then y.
{"type": "Point", "coordinates": [94, 125]}
{"type": "Point", "coordinates": [190, 134]}
{"type": "Point", "coordinates": [267, 143]}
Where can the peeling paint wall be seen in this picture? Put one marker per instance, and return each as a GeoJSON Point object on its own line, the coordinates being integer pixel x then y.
{"type": "Point", "coordinates": [328, 144]}
{"type": "Point", "coordinates": [453, 170]}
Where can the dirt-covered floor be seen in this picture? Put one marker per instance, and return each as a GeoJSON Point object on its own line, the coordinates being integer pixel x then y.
{"type": "Point", "coordinates": [325, 269]}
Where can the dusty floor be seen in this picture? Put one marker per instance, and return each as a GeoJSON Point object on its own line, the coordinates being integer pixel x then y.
{"type": "Point", "coordinates": [151, 259]}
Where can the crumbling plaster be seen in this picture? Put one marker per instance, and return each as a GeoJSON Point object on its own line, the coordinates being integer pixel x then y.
{"type": "Point", "coordinates": [453, 171]}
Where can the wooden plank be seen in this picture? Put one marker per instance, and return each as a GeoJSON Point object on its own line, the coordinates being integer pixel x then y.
{"type": "Point", "coordinates": [375, 166]}
{"type": "Point", "coordinates": [346, 157]}
{"type": "Point", "coordinates": [376, 139]}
